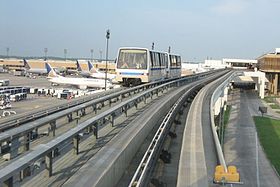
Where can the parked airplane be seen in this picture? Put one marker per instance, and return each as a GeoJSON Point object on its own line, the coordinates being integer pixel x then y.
{"type": "Point", "coordinates": [38, 71]}
{"type": "Point", "coordinates": [93, 72]}
{"type": "Point", "coordinates": [81, 71]}
{"type": "Point", "coordinates": [82, 83]}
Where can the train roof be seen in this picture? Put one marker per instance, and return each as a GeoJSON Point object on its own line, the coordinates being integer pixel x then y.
{"type": "Point", "coordinates": [142, 48]}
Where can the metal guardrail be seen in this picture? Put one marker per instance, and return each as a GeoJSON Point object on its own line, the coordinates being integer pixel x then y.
{"type": "Point", "coordinates": [21, 130]}
{"type": "Point", "coordinates": [215, 96]}
{"type": "Point", "coordinates": [24, 118]}
{"type": "Point", "coordinates": [27, 117]}
{"type": "Point", "coordinates": [12, 169]}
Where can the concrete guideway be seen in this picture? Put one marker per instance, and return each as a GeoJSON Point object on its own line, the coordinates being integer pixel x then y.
{"type": "Point", "coordinates": [192, 167]}
{"type": "Point", "coordinates": [109, 164]}
{"type": "Point", "coordinates": [45, 150]}
{"type": "Point", "coordinates": [122, 149]}
{"type": "Point", "coordinates": [241, 148]}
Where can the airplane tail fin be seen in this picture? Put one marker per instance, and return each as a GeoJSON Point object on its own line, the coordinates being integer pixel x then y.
{"type": "Point", "coordinates": [79, 68]}
{"type": "Point", "coordinates": [91, 68]}
{"type": "Point", "coordinates": [26, 65]}
{"type": "Point", "coordinates": [50, 71]}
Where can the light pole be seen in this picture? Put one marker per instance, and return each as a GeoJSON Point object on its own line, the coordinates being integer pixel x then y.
{"type": "Point", "coordinates": [46, 53]}
{"type": "Point", "coordinates": [91, 55]}
{"type": "Point", "coordinates": [65, 53]}
{"type": "Point", "coordinates": [7, 50]}
{"type": "Point", "coordinates": [107, 39]}
{"type": "Point", "coordinates": [100, 52]}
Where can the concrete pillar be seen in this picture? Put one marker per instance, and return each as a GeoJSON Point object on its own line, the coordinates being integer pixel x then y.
{"type": "Point", "coordinates": [275, 84]}
{"type": "Point", "coordinates": [49, 164]}
{"type": "Point", "coordinates": [262, 85]}
{"type": "Point", "coordinates": [76, 140]}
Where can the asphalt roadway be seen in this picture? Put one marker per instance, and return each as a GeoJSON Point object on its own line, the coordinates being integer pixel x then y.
{"type": "Point", "coordinates": [242, 147]}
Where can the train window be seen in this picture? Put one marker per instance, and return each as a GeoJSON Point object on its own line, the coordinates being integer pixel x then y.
{"type": "Point", "coordinates": [132, 59]}
{"type": "Point", "coordinates": [156, 59]}
{"type": "Point", "coordinates": [159, 59]}
{"type": "Point", "coordinates": [162, 59]}
{"type": "Point", "coordinates": [152, 59]}
{"type": "Point", "coordinates": [178, 61]}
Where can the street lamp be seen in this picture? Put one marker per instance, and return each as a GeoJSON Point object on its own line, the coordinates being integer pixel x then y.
{"type": "Point", "coordinates": [46, 52]}
{"type": "Point", "coordinates": [91, 55]}
{"type": "Point", "coordinates": [65, 53]}
{"type": "Point", "coordinates": [107, 39]}
{"type": "Point", "coordinates": [100, 52]}
{"type": "Point", "coordinates": [7, 50]}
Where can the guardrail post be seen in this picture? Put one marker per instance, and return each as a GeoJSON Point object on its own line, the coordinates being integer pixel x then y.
{"type": "Point", "coordinates": [14, 147]}
{"type": "Point", "coordinates": [125, 110]}
{"type": "Point", "coordinates": [83, 111]}
{"type": "Point", "coordinates": [95, 132]}
{"type": "Point", "coordinates": [112, 119]}
{"type": "Point", "coordinates": [77, 113]}
{"type": "Point", "coordinates": [27, 138]}
{"type": "Point", "coordinates": [49, 164]}
{"type": "Point", "coordinates": [94, 109]}
{"type": "Point", "coordinates": [53, 127]}
{"type": "Point", "coordinates": [70, 117]}
{"type": "Point", "coordinates": [76, 140]}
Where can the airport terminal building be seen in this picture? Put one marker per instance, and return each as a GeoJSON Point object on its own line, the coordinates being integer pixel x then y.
{"type": "Point", "coordinates": [270, 64]}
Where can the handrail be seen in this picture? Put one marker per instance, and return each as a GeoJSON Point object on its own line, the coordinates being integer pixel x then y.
{"type": "Point", "coordinates": [216, 94]}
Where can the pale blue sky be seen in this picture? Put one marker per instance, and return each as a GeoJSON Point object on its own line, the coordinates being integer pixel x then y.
{"type": "Point", "coordinates": [194, 29]}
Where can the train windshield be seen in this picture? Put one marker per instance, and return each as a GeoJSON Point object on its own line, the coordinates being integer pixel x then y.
{"type": "Point", "coordinates": [132, 59]}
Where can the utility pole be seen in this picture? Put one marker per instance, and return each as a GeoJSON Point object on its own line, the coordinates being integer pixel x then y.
{"type": "Point", "coordinates": [91, 55]}
{"type": "Point", "coordinates": [7, 50]}
{"type": "Point", "coordinates": [65, 53]}
{"type": "Point", "coordinates": [46, 53]}
{"type": "Point", "coordinates": [107, 44]}
{"type": "Point", "coordinates": [100, 52]}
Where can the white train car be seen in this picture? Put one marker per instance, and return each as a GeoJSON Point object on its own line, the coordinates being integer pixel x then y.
{"type": "Point", "coordinates": [174, 66]}
{"type": "Point", "coordinates": [140, 65]}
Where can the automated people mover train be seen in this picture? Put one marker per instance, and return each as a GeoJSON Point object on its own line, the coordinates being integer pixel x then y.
{"type": "Point", "coordinates": [140, 65]}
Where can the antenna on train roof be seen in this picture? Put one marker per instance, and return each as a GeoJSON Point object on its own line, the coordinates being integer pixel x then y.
{"type": "Point", "coordinates": [153, 46]}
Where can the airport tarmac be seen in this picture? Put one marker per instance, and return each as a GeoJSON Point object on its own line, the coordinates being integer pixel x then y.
{"type": "Point", "coordinates": [39, 81]}
{"type": "Point", "coordinates": [33, 101]}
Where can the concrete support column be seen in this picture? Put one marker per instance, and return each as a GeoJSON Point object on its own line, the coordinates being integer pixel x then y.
{"type": "Point", "coordinates": [49, 164]}
{"type": "Point", "coordinates": [275, 84]}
